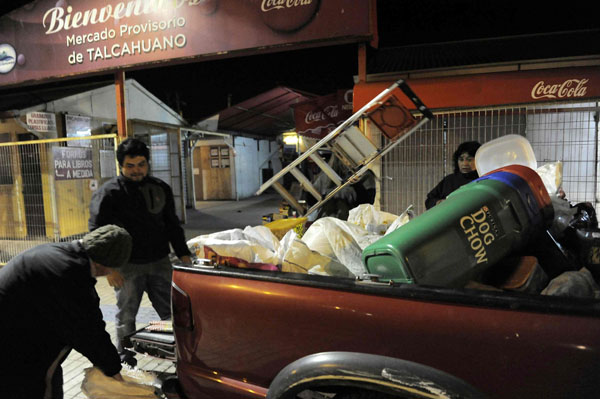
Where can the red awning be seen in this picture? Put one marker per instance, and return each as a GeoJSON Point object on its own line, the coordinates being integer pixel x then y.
{"type": "Point", "coordinates": [266, 115]}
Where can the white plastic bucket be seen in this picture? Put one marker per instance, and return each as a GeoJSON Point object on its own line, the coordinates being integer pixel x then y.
{"type": "Point", "coordinates": [511, 149]}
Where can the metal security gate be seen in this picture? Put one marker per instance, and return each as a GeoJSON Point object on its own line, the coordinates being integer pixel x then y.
{"type": "Point", "coordinates": [566, 132]}
{"type": "Point", "coordinates": [46, 187]}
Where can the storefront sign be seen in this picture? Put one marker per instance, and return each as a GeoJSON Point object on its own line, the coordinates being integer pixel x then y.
{"type": "Point", "coordinates": [519, 87]}
{"type": "Point", "coordinates": [41, 121]}
{"type": "Point", "coordinates": [317, 117]}
{"type": "Point", "coordinates": [570, 88]}
{"type": "Point", "coordinates": [48, 39]}
{"type": "Point", "coordinates": [72, 163]}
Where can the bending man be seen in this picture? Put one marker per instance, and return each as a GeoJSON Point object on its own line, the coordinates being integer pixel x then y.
{"type": "Point", "coordinates": [49, 306]}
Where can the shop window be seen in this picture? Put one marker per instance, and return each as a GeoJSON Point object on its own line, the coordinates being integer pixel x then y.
{"type": "Point", "coordinates": [219, 157]}
{"type": "Point", "coordinates": [159, 152]}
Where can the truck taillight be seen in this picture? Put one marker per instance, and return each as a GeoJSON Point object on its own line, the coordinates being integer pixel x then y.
{"type": "Point", "coordinates": [182, 308]}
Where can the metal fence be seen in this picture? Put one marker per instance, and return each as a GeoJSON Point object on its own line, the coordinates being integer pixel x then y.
{"type": "Point", "coordinates": [46, 187]}
{"type": "Point", "coordinates": [566, 132]}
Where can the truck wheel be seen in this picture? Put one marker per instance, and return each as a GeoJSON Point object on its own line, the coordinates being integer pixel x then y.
{"type": "Point", "coordinates": [364, 395]}
{"type": "Point", "coordinates": [352, 375]}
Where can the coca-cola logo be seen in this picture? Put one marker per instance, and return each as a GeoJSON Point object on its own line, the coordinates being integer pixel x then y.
{"type": "Point", "coordinates": [567, 89]}
{"type": "Point", "coordinates": [321, 115]}
{"type": "Point", "coordinates": [287, 15]}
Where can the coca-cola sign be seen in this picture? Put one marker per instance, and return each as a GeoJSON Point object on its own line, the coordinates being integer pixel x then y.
{"type": "Point", "coordinates": [288, 15]}
{"type": "Point", "coordinates": [319, 116]}
{"type": "Point", "coordinates": [53, 39]}
{"type": "Point", "coordinates": [569, 88]}
{"type": "Point", "coordinates": [487, 89]}
{"type": "Point", "coordinates": [329, 112]}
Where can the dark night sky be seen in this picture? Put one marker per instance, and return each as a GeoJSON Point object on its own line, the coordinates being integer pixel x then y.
{"type": "Point", "coordinates": [427, 21]}
{"type": "Point", "coordinates": [323, 70]}
{"type": "Point", "coordinates": [201, 89]}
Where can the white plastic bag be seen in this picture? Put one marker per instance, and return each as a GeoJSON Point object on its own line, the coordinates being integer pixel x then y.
{"type": "Point", "coordinates": [340, 240]}
{"type": "Point", "coordinates": [370, 219]}
{"type": "Point", "coordinates": [259, 246]}
{"type": "Point", "coordinates": [551, 174]}
{"type": "Point", "coordinates": [578, 283]}
{"type": "Point", "coordinates": [297, 257]}
{"type": "Point", "coordinates": [253, 244]}
{"type": "Point", "coordinates": [137, 385]}
{"type": "Point", "coordinates": [401, 220]}
{"type": "Point", "coordinates": [257, 234]}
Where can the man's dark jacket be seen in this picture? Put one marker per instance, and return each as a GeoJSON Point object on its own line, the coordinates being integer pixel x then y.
{"type": "Point", "coordinates": [146, 210]}
{"type": "Point", "coordinates": [48, 302]}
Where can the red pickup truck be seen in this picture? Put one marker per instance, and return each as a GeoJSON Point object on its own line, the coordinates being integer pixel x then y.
{"type": "Point", "coordinates": [260, 334]}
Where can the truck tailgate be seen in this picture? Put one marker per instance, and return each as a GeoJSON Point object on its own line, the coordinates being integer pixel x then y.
{"type": "Point", "coordinates": [247, 326]}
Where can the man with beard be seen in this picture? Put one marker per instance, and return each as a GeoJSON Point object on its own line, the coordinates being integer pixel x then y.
{"type": "Point", "coordinates": [145, 207]}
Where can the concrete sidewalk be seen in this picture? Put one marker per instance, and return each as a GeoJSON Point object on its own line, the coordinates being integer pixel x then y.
{"type": "Point", "coordinates": [213, 216]}
{"type": "Point", "coordinates": [209, 217]}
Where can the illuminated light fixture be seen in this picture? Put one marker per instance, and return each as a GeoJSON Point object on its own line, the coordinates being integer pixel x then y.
{"type": "Point", "coordinates": [290, 139]}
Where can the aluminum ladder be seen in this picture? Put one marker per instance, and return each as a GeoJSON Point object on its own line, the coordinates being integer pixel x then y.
{"type": "Point", "coordinates": [349, 144]}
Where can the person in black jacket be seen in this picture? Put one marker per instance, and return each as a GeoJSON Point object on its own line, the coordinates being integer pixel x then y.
{"type": "Point", "coordinates": [145, 207]}
{"type": "Point", "coordinates": [49, 306]}
{"type": "Point", "coordinates": [464, 172]}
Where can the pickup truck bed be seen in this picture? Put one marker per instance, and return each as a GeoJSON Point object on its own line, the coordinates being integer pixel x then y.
{"type": "Point", "coordinates": [237, 329]}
